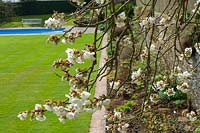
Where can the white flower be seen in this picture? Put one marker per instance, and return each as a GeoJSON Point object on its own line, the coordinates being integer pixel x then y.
{"type": "Point", "coordinates": [197, 47]}
{"type": "Point", "coordinates": [77, 107]}
{"type": "Point", "coordinates": [79, 60]}
{"type": "Point", "coordinates": [88, 55]}
{"type": "Point", "coordinates": [70, 115]}
{"type": "Point", "coordinates": [71, 56]}
{"type": "Point", "coordinates": [70, 52]}
{"type": "Point", "coordinates": [125, 126]}
{"type": "Point", "coordinates": [106, 102]}
{"type": "Point", "coordinates": [116, 84]}
{"type": "Point", "coordinates": [170, 92]}
{"type": "Point", "coordinates": [118, 114]}
{"type": "Point", "coordinates": [76, 101]}
{"type": "Point", "coordinates": [144, 23]}
{"type": "Point", "coordinates": [177, 70]}
{"type": "Point", "coordinates": [120, 20]}
{"type": "Point", "coordinates": [154, 98]}
{"type": "Point", "coordinates": [188, 52]}
{"type": "Point", "coordinates": [184, 75]}
{"type": "Point", "coordinates": [196, 9]}
{"type": "Point", "coordinates": [183, 87]}
{"type": "Point", "coordinates": [100, 1]}
{"type": "Point", "coordinates": [153, 48]}
{"type": "Point", "coordinates": [90, 110]}
{"type": "Point", "coordinates": [48, 107]}
{"type": "Point", "coordinates": [40, 117]}
{"type": "Point", "coordinates": [79, 2]}
{"type": "Point", "coordinates": [85, 95]}
{"type": "Point", "coordinates": [122, 127]}
{"type": "Point", "coordinates": [160, 85]}
{"type": "Point", "coordinates": [107, 128]}
{"type": "Point", "coordinates": [78, 75]}
{"type": "Point", "coordinates": [87, 102]}
{"type": "Point", "coordinates": [67, 96]}
{"type": "Point", "coordinates": [122, 15]}
{"type": "Point", "coordinates": [166, 21]}
{"type": "Point", "coordinates": [23, 115]}
{"type": "Point", "coordinates": [151, 20]}
{"type": "Point", "coordinates": [62, 120]}
{"type": "Point", "coordinates": [64, 41]}
{"type": "Point", "coordinates": [181, 56]}
{"type": "Point", "coordinates": [38, 106]}
{"type": "Point", "coordinates": [136, 75]}
{"type": "Point", "coordinates": [53, 23]}
{"type": "Point", "coordinates": [59, 110]}
{"type": "Point", "coordinates": [174, 112]}
{"type": "Point", "coordinates": [191, 116]}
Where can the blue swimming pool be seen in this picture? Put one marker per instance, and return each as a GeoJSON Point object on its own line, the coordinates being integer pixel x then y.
{"type": "Point", "coordinates": [30, 31]}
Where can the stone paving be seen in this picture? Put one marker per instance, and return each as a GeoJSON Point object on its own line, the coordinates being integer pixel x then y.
{"type": "Point", "coordinates": [98, 122]}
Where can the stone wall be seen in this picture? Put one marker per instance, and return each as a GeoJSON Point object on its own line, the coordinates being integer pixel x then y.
{"type": "Point", "coordinates": [161, 4]}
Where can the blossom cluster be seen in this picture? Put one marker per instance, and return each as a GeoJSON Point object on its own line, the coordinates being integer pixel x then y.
{"type": "Point", "coordinates": [37, 113]}
{"type": "Point", "coordinates": [100, 1]}
{"type": "Point", "coordinates": [164, 86]}
{"type": "Point", "coordinates": [144, 53]}
{"type": "Point", "coordinates": [115, 121]}
{"type": "Point", "coordinates": [197, 48]}
{"type": "Point", "coordinates": [56, 21]}
{"type": "Point", "coordinates": [137, 76]}
{"type": "Point", "coordinates": [76, 102]}
{"type": "Point", "coordinates": [165, 21]}
{"type": "Point", "coordinates": [77, 56]}
{"type": "Point", "coordinates": [115, 84]}
{"type": "Point", "coordinates": [192, 116]}
{"type": "Point", "coordinates": [196, 9]}
{"type": "Point", "coordinates": [79, 2]}
{"type": "Point", "coordinates": [188, 52]}
{"type": "Point", "coordinates": [67, 38]}
{"type": "Point", "coordinates": [78, 99]}
{"type": "Point", "coordinates": [70, 38]}
{"type": "Point", "coordinates": [120, 20]}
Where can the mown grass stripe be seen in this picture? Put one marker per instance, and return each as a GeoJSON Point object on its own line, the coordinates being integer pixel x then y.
{"type": "Point", "coordinates": [26, 78]}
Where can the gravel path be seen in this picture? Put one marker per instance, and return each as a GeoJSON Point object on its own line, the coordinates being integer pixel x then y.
{"type": "Point", "coordinates": [89, 29]}
{"type": "Point", "coordinates": [98, 122]}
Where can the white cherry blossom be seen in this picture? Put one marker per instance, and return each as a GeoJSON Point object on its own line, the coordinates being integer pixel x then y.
{"type": "Point", "coordinates": [136, 75]}
{"type": "Point", "coordinates": [170, 92]}
{"type": "Point", "coordinates": [38, 106]}
{"type": "Point", "coordinates": [22, 115]}
{"type": "Point", "coordinates": [70, 115]}
{"type": "Point", "coordinates": [188, 52]}
{"type": "Point", "coordinates": [85, 95]}
{"type": "Point", "coordinates": [40, 117]}
{"type": "Point", "coordinates": [115, 84]}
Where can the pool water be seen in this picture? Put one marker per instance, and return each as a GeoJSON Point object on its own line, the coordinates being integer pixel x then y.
{"type": "Point", "coordinates": [31, 31]}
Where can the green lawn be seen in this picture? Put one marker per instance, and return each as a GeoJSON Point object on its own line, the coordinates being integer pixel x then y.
{"type": "Point", "coordinates": [27, 78]}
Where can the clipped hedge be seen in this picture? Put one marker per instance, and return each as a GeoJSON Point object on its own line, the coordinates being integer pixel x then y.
{"type": "Point", "coordinates": [43, 7]}
{"type": "Point", "coordinates": [7, 11]}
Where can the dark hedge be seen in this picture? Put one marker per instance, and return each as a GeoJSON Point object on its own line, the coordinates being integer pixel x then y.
{"type": "Point", "coordinates": [43, 7]}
